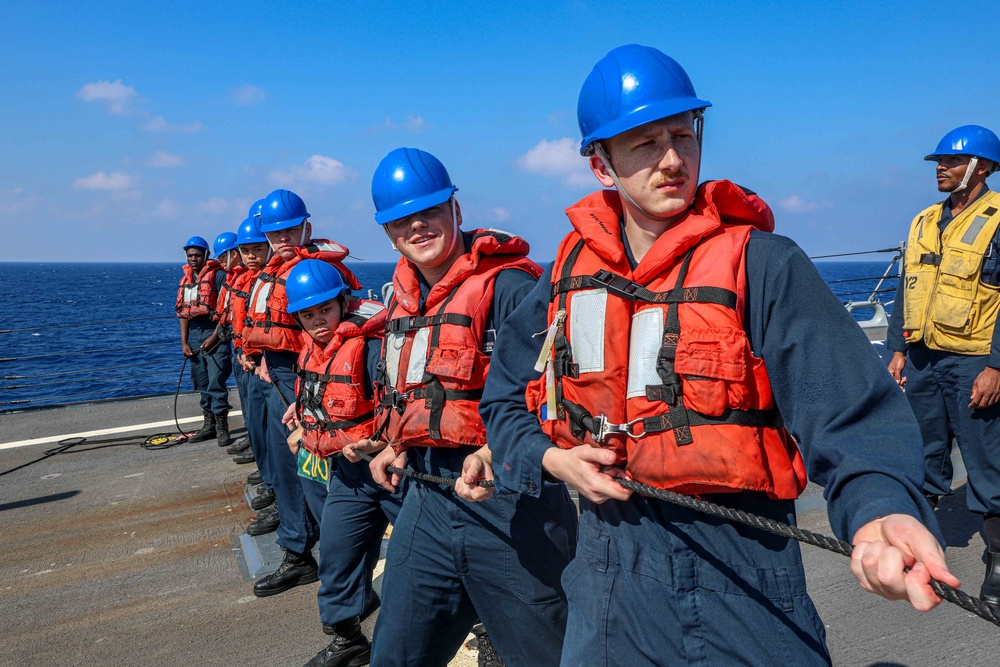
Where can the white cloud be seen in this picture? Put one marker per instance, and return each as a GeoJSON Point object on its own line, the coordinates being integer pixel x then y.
{"type": "Point", "coordinates": [797, 204]}
{"type": "Point", "coordinates": [246, 94]}
{"type": "Point", "coordinates": [316, 170]}
{"type": "Point", "coordinates": [167, 208]}
{"type": "Point", "coordinates": [499, 214]}
{"type": "Point", "coordinates": [559, 158]}
{"type": "Point", "coordinates": [160, 124]}
{"type": "Point", "coordinates": [116, 180]}
{"type": "Point", "coordinates": [114, 94]}
{"type": "Point", "coordinates": [215, 206]}
{"type": "Point", "coordinates": [164, 159]}
{"type": "Point", "coordinates": [412, 122]}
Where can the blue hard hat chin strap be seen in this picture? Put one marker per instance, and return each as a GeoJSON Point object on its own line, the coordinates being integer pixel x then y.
{"type": "Point", "coordinates": [973, 163]}
{"type": "Point", "coordinates": [454, 227]}
{"type": "Point", "coordinates": [699, 126]}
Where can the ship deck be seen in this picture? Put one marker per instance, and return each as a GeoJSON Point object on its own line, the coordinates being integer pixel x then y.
{"type": "Point", "coordinates": [112, 555]}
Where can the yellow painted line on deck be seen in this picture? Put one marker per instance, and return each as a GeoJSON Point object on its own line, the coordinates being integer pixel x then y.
{"type": "Point", "coordinates": [105, 431]}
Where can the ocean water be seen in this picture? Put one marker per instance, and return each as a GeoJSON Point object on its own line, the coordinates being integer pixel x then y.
{"type": "Point", "coordinates": [46, 361]}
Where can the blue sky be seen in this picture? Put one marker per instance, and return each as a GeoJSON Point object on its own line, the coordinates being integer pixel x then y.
{"type": "Point", "coordinates": [128, 128]}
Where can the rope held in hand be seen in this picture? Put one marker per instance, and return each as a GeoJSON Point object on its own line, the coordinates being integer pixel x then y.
{"type": "Point", "coordinates": [945, 592]}
{"type": "Point", "coordinates": [955, 596]}
{"type": "Point", "coordinates": [448, 482]}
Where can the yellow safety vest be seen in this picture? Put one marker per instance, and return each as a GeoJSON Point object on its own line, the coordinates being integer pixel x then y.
{"type": "Point", "coordinates": [946, 304]}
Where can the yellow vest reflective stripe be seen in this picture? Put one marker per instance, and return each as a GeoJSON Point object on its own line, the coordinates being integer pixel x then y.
{"type": "Point", "coordinates": [946, 304]}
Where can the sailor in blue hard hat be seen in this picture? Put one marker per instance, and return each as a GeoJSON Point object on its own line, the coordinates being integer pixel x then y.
{"type": "Point", "coordinates": [334, 408]}
{"type": "Point", "coordinates": [644, 371]}
{"type": "Point", "coordinates": [466, 554]}
{"type": "Point", "coordinates": [943, 334]}
{"type": "Point", "coordinates": [211, 365]}
{"type": "Point", "coordinates": [255, 253]}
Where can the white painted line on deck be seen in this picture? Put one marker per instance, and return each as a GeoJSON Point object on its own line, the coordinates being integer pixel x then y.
{"type": "Point", "coordinates": [104, 431]}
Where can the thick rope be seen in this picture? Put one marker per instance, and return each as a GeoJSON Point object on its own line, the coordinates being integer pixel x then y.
{"type": "Point", "coordinates": [447, 482]}
{"type": "Point", "coordinates": [945, 592]}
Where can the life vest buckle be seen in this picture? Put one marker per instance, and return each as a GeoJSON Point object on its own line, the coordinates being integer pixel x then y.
{"type": "Point", "coordinates": [604, 429]}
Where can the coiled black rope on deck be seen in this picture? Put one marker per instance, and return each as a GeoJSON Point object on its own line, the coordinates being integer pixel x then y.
{"type": "Point", "coordinates": [945, 592]}
{"type": "Point", "coordinates": [156, 441]}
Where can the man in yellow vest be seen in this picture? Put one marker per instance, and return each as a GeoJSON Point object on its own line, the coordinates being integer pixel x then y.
{"type": "Point", "coordinates": [943, 323]}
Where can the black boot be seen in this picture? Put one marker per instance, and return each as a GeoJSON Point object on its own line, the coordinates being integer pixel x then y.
{"type": "Point", "coordinates": [207, 431]}
{"type": "Point", "coordinates": [222, 430]}
{"type": "Point", "coordinates": [990, 592]}
{"type": "Point", "coordinates": [488, 656]}
{"type": "Point", "coordinates": [349, 648]}
{"type": "Point", "coordinates": [266, 522]}
{"type": "Point", "coordinates": [255, 477]}
{"type": "Point", "coordinates": [240, 445]}
{"type": "Point", "coordinates": [244, 457]}
{"type": "Point", "coordinates": [374, 602]}
{"type": "Point", "coordinates": [295, 569]}
{"type": "Point", "coordinates": [262, 500]}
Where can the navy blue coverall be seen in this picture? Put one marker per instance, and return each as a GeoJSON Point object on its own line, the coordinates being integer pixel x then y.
{"type": "Point", "coordinates": [298, 527]}
{"type": "Point", "coordinates": [654, 584]}
{"type": "Point", "coordinates": [352, 520]}
{"type": "Point", "coordinates": [210, 370]}
{"type": "Point", "coordinates": [450, 561]}
{"type": "Point", "coordinates": [939, 388]}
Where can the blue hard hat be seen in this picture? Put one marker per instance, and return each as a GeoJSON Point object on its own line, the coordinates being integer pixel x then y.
{"type": "Point", "coordinates": [224, 242]}
{"type": "Point", "coordinates": [312, 282]}
{"type": "Point", "coordinates": [969, 140]}
{"type": "Point", "coordinates": [282, 209]}
{"type": "Point", "coordinates": [631, 86]}
{"type": "Point", "coordinates": [197, 242]}
{"type": "Point", "coordinates": [409, 180]}
{"type": "Point", "coordinates": [249, 232]}
{"type": "Point", "coordinates": [256, 208]}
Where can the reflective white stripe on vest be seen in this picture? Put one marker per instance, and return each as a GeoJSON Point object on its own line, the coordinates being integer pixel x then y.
{"type": "Point", "coordinates": [418, 356]}
{"type": "Point", "coordinates": [588, 311]}
{"type": "Point", "coordinates": [393, 346]}
{"type": "Point", "coordinates": [260, 293]}
{"type": "Point", "coordinates": [367, 310]}
{"type": "Point", "coordinates": [644, 344]}
{"type": "Point", "coordinates": [190, 293]}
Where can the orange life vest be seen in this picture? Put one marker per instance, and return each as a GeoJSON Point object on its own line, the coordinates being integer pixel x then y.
{"type": "Point", "coordinates": [654, 363]}
{"type": "Point", "coordinates": [268, 324]}
{"type": "Point", "coordinates": [240, 292]}
{"type": "Point", "coordinates": [223, 306]}
{"type": "Point", "coordinates": [196, 297]}
{"type": "Point", "coordinates": [331, 402]}
{"type": "Point", "coordinates": [434, 367]}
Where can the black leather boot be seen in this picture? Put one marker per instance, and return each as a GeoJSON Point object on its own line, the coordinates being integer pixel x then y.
{"type": "Point", "coordinates": [990, 592]}
{"type": "Point", "coordinates": [222, 430]}
{"type": "Point", "coordinates": [349, 648]}
{"type": "Point", "coordinates": [207, 431]}
{"type": "Point", "coordinates": [255, 478]}
{"type": "Point", "coordinates": [240, 445]}
{"type": "Point", "coordinates": [245, 456]}
{"type": "Point", "coordinates": [488, 656]}
{"type": "Point", "coordinates": [266, 522]}
{"type": "Point", "coordinates": [262, 500]}
{"type": "Point", "coordinates": [295, 570]}
{"type": "Point", "coordinates": [374, 602]}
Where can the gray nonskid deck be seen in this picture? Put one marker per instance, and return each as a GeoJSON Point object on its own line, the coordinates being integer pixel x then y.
{"type": "Point", "coordinates": [117, 555]}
